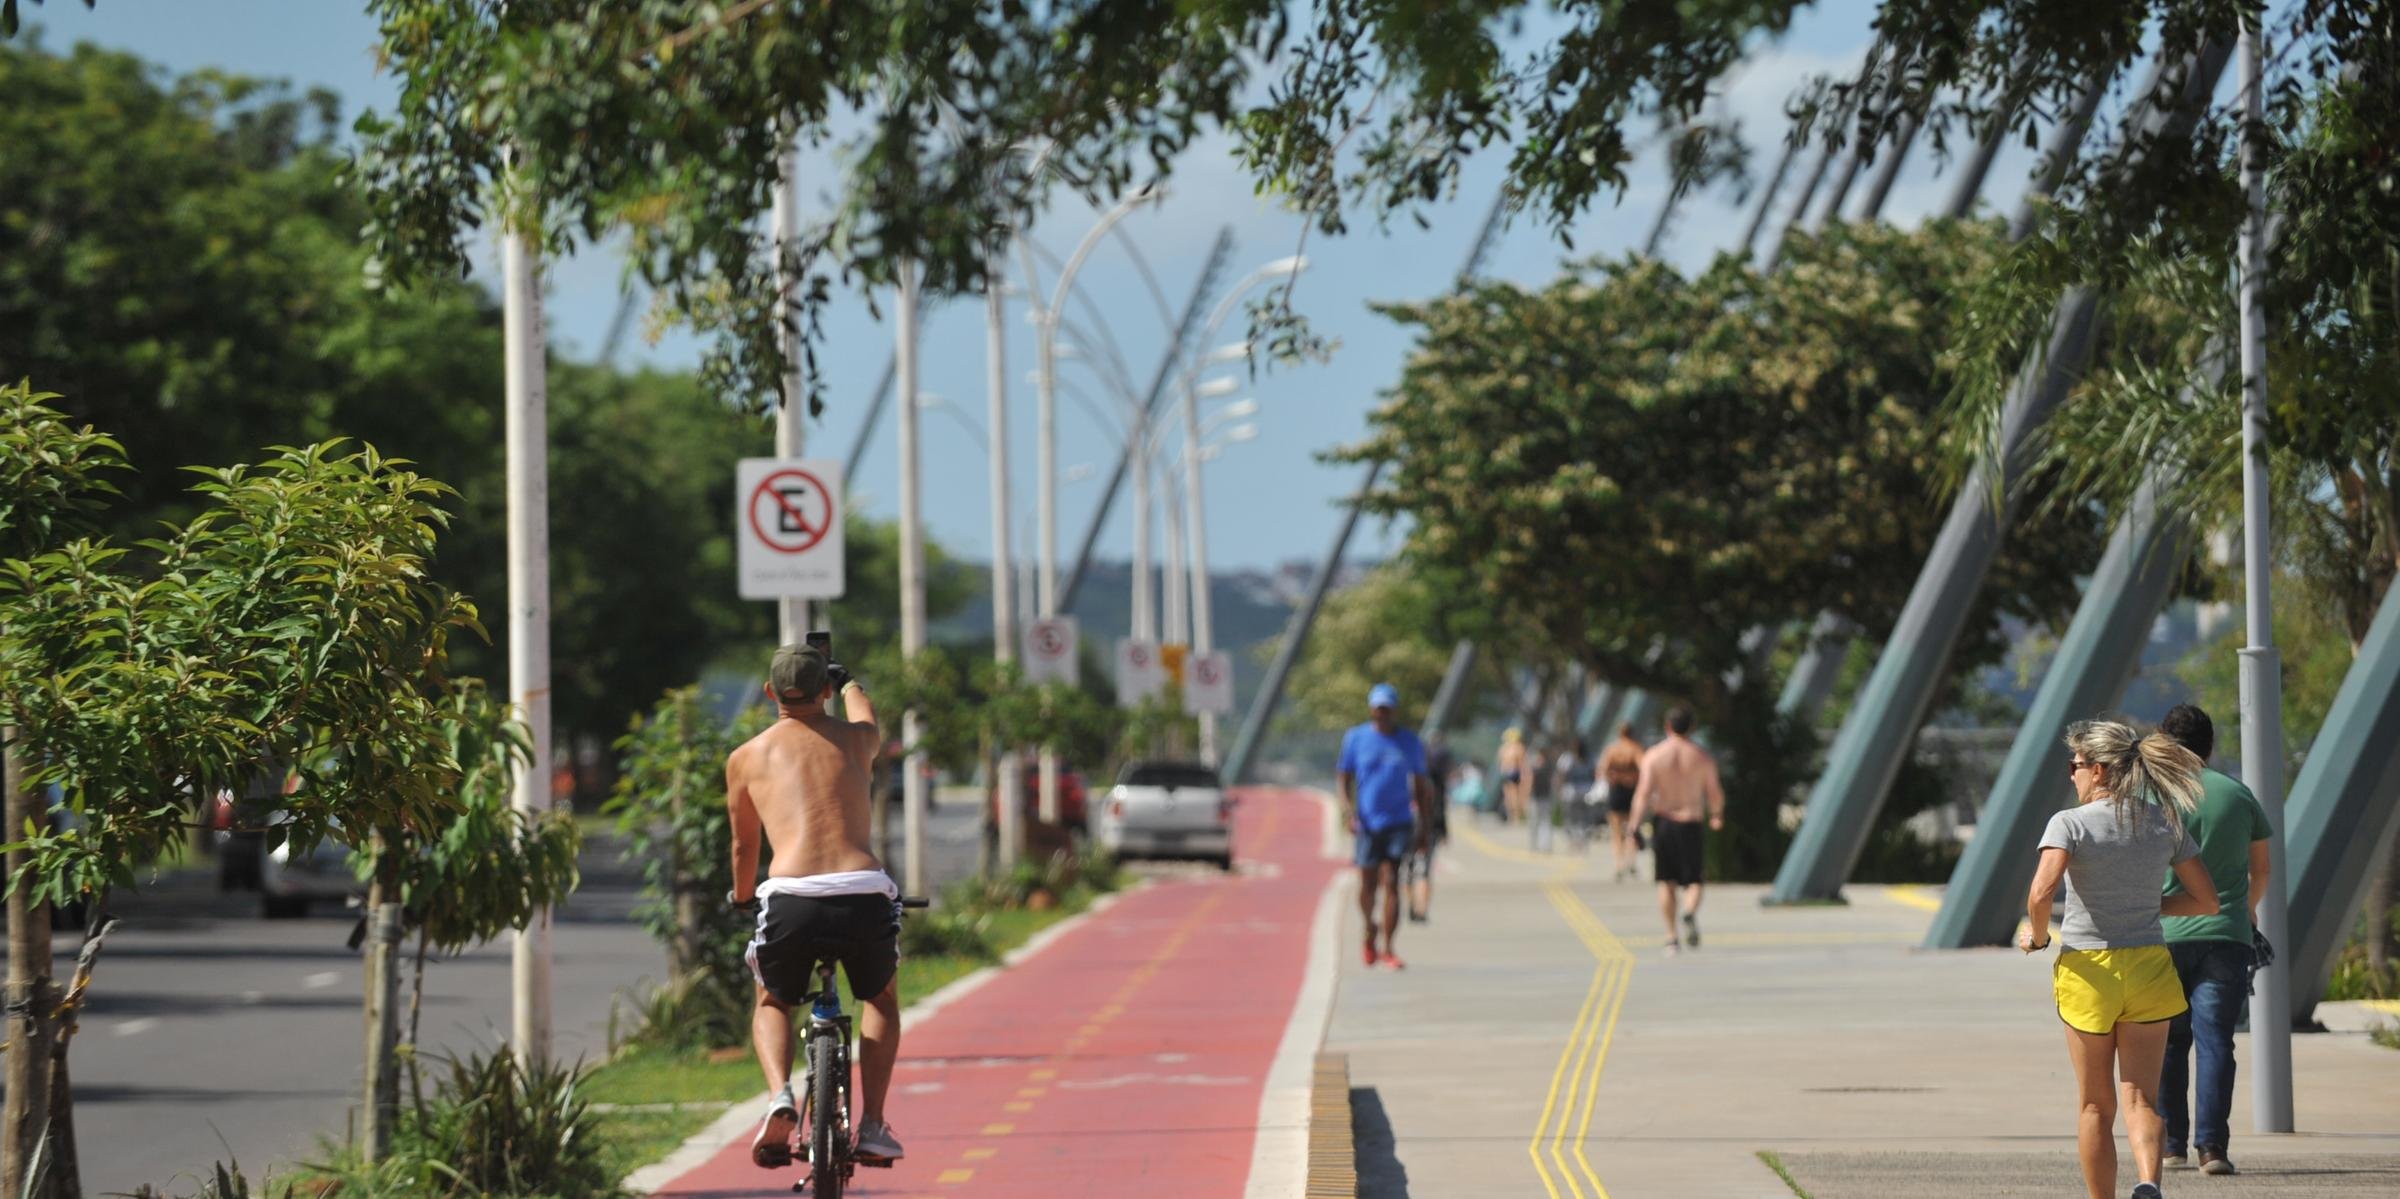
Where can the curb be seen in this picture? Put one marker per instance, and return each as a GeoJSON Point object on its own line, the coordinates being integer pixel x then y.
{"type": "Point", "coordinates": [1332, 1148]}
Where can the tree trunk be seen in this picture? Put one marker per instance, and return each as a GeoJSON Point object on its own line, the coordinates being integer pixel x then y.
{"type": "Point", "coordinates": [66, 1174]}
{"type": "Point", "coordinates": [416, 1005]}
{"type": "Point", "coordinates": [383, 1004]}
{"type": "Point", "coordinates": [683, 952]}
{"type": "Point", "coordinates": [32, 1000]}
{"type": "Point", "coordinates": [987, 856]}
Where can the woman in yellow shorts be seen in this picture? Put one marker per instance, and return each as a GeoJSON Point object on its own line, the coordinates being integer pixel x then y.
{"type": "Point", "coordinates": [2115, 982]}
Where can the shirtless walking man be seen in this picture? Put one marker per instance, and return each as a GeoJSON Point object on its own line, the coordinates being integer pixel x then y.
{"type": "Point", "coordinates": [804, 784]}
{"type": "Point", "coordinates": [1679, 785]}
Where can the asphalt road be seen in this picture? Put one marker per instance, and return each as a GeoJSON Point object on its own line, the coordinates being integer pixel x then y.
{"type": "Point", "coordinates": [212, 1034]}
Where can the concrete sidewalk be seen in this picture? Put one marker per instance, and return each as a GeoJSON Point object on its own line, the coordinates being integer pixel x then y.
{"type": "Point", "coordinates": [1542, 1044]}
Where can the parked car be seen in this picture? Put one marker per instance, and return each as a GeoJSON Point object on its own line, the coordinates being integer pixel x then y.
{"type": "Point", "coordinates": [289, 882]}
{"type": "Point", "coordinates": [1073, 806]}
{"type": "Point", "coordinates": [1168, 809]}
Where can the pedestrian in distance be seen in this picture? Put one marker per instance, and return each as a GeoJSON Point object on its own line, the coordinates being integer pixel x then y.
{"type": "Point", "coordinates": [1513, 778]}
{"type": "Point", "coordinates": [1678, 785]}
{"type": "Point", "coordinates": [1577, 775]}
{"type": "Point", "coordinates": [803, 785]}
{"type": "Point", "coordinates": [1386, 802]}
{"type": "Point", "coordinates": [2114, 979]}
{"type": "Point", "coordinates": [1620, 769]}
{"type": "Point", "coordinates": [1416, 871]}
{"type": "Point", "coordinates": [2214, 955]}
{"type": "Point", "coordinates": [1541, 811]}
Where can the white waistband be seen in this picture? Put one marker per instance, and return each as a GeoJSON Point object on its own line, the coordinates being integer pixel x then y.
{"type": "Point", "coordinates": [826, 886]}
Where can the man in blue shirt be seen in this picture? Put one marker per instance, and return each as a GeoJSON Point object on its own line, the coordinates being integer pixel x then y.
{"type": "Point", "coordinates": [1385, 798]}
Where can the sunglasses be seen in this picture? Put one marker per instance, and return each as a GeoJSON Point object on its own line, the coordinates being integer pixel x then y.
{"type": "Point", "coordinates": [2079, 765]}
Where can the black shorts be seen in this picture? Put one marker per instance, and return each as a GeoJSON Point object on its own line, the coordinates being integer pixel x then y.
{"type": "Point", "coordinates": [1680, 850]}
{"type": "Point", "coordinates": [862, 932]}
{"type": "Point", "coordinates": [1620, 800]}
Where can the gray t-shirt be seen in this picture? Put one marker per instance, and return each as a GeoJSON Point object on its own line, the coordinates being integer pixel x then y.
{"type": "Point", "coordinates": [2113, 868]}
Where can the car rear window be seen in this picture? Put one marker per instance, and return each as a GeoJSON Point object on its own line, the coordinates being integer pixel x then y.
{"type": "Point", "coordinates": [1168, 774]}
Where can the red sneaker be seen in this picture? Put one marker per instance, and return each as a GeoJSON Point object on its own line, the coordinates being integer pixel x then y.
{"type": "Point", "coordinates": [1367, 953]}
{"type": "Point", "coordinates": [1391, 961]}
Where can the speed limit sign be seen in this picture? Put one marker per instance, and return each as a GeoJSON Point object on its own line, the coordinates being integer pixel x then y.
{"type": "Point", "coordinates": [1049, 650]}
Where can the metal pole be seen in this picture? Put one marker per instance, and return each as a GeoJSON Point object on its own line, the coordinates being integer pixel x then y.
{"type": "Point", "coordinates": [1145, 603]}
{"type": "Point", "coordinates": [912, 581]}
{"type": "Point", "coordinates": [528, 464]}
{"type": "Point", "coordinates": [1010, 786]}
{"type": "Point", "coordinates": [1453, 690]}
{"type": "Point", "coordinates": [1888, 172]}
{"type": "Point", "coordinates": [2261, 669]}
{"type": "Point", "coordinates": [2065, 141]}
{"type": "Point", "coordinates": [1766, 197]}
{"type": "Point", "coordinates": [1218, 253]}
{"type": "Point", "coordinates": [791, 614]}
{"type": "Point", "coordinates": [1174, 600]}
{"type": "Point", "coordinates": [1204, 631]}
{"type": "Point", "coordinates": [882, 396]}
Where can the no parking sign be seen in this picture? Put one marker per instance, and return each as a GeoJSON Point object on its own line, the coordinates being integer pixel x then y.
{"type": "Point", "coordinates": [787, 525]}
{"type": "Point", "coordinates": [1049, 650]}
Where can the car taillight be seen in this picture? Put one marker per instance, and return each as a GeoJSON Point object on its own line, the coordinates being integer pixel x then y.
{"type": "Point", "coordinates": [1224, 811]}
{"type": "Point", "coordinates": [1117, 809]}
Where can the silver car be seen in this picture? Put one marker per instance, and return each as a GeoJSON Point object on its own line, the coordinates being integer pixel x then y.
{"type": "Point", "coordinates": [1167, 809]}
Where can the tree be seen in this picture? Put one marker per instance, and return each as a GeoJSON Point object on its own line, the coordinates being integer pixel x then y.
{"type": "Point", "coordinates": [660, 118]}
{"type": "Point", "coordinates": [291, 622]}
{"type": "Point", "coordinates": [1388, 628]}
{"type": "Point", "coordinates": [1634, 470]}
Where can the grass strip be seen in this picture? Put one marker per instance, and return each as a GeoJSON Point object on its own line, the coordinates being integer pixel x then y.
{"type": "Point", "coordinates": [1774, 1162]}
{"type": "Point", "coordinates": [637, 1134]}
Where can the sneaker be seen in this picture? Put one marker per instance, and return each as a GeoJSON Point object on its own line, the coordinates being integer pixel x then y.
{"type": "Point", "coordinates": [2146, 1190]}
{"type": "Point", "coordinates": [1691, 930]}
{"type": "Point", "coordinates": [2214, 1161]}
{"type": "Point", "coordinates": [1367, 954]}
{"type": "Point", "coordinates": [771, 1149]}
{"type": "Point", "coordinates": [1672, 947]}
{"type": "Point", "coordinates": [2174, 1159]}
{"type": "Point", "coordinates": [876, 1142]}
{"type": "Point", "coordinates": [1391, 961]}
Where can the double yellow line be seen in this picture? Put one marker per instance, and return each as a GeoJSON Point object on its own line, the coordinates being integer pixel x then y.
{"type": "Point", "coordinates": [1580, 1063]}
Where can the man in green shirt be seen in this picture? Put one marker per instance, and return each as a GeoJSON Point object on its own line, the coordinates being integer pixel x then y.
{"type": "Point", "coordinates": [2214, 954]}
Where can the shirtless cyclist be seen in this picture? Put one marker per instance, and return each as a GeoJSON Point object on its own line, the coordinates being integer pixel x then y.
{"type": "Point", "coordinates": [803, 783]}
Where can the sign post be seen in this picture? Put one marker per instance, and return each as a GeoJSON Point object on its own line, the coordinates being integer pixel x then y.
{"type": "Point", "coordinates": [1141, 673]}
{"type": "Point", "coordinates": [787, 526]}
{"type": "Point", "coordinates": [1208, 683]}
{"type": "Point", "coordinates": [1049, 650]}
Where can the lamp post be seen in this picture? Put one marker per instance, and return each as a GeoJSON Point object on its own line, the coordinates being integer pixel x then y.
{"type": "Point", "coordinates": [1046, 447]}
{"type": "Point", "coordinates": [1203, 619]}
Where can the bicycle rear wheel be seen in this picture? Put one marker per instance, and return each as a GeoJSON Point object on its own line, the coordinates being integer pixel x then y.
{"type": "Point", "coordinates": [827, 1071]}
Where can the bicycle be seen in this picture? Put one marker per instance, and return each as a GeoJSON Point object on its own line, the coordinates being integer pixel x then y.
{"type": "Point", "coordinates": [832, 1150]}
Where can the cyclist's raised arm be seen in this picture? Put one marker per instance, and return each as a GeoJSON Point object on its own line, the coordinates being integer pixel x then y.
{"type": "Point", "coordinates": [859, 708]}
{"type": "Point", "coordinates": [742, 815]}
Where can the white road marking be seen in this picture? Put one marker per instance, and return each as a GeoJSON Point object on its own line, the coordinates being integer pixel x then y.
{"type": "Point", "coordinates": [132, 1028]}
{"type": "Point", "coordinates": [321, 980]}
{"type": "Point", "coordinates": [1127, 1080]}
{"type": "Point", "coordinates": [254, 997]}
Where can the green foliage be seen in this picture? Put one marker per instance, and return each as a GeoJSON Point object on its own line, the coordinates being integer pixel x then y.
{"type": "Point", "coordinates": [1392, 627]}
{"type": "Point", "coordinates": [670, 807]}
{"type": "Point", "coordinates": [223, 1181]}
{"type": "Point", "coordinates": [2316, 652]}
{"type": "Point", "coordinates": [51, 473]}
{"type": "Point", "coordinates": [291, 621]}
{"type": "Point", "coordinates": [495, 1129]}
{"type": "Point", "coordinates": [487, 868]}
{"type": "Point", "coordinates": [1627, 453]}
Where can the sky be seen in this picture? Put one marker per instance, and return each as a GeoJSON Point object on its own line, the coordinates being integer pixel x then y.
{"type": "Point", "coordinates": [1269, 500]}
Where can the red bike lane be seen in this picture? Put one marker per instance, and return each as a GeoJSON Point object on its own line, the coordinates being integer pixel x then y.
{"type": "Point", "coordinates": [1128, 1056]}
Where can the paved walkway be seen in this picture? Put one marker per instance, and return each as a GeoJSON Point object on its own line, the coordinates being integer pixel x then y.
{"type": "Point", "coordinates": [1541, 1044]}
{"type": "Point", "coordinates": [1139, 1053]}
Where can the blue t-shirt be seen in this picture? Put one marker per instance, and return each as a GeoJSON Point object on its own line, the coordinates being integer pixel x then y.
{"type": "Point", "coordinates": [1383, 764]}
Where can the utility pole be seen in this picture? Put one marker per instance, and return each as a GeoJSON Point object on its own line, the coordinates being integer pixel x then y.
{"type": "Point", "coordinates": [528, 466]}
{"type": "Point", "coordinates": [791, 614]}
{"type": "Point", "coordinates": [912, 582]}
{"type": "Point", "coordinates": [2261, 668]}
{"type": "Point", "coordinates": [1009, 787]}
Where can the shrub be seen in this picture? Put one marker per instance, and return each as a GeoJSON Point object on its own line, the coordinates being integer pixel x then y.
{"type": "Point", "coordinates": [494, 1129]}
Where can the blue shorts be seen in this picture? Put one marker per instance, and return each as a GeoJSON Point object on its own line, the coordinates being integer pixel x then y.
{"type": "Point", "coordinates": [1377, 846]}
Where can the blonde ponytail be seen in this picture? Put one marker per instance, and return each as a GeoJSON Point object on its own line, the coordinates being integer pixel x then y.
{"type": "Point", "coordinates": [2140, 769]}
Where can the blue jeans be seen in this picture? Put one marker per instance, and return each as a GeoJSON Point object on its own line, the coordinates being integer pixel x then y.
{"type": "Point", "coordinates": [2216, 982]}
